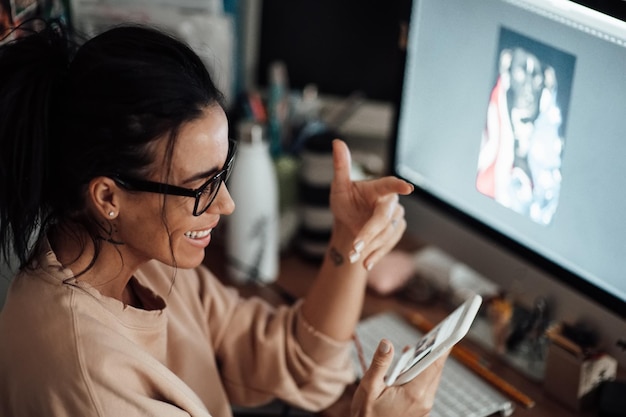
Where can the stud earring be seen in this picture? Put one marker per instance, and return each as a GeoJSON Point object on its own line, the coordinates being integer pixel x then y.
{"type": "Point", "coordinates": [111, 213]}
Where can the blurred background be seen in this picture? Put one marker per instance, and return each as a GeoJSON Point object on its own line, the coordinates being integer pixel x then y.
{"type": "Point", "coordinates": [304, 71]}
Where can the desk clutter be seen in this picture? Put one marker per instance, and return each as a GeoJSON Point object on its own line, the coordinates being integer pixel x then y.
{"type": "Point", "coordinates": [565, 359]}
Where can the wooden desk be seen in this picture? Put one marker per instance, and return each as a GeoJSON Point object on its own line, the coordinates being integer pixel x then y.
{"type": "Point", "coordinates": [296, 275]}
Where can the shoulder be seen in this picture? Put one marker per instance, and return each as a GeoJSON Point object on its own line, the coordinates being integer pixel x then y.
{"type": "Point", "coordinates": [39, 353]}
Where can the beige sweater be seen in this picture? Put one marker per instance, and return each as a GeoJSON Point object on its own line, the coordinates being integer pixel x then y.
{"type": "Point", "coordinates": [66, 350]}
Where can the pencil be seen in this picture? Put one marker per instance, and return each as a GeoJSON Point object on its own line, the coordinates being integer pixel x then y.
{"type": "Point", "coordinates": [475, 363]}
{"type": "Point", "coordinates": [492, 378]}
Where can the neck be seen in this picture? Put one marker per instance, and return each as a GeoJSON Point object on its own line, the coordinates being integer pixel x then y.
{"type": "Point", "coordinates": [109, 272]}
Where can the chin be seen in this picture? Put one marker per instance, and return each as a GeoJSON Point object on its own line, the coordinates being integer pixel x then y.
{"type": "Point", "coordinates": [187, 261]}
{"type": "Point", "coordinates": [186, 256]}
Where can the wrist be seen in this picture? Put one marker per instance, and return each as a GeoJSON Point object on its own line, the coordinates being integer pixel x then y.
{"type": "Point", "coordinates": [342, 236]}
{"type": "Point", "coordinates": [343, 242]}
{"type": "Point", "coordinates": [344, 254]}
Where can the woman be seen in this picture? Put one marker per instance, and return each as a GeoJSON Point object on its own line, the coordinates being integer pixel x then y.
{"type": "Point", "coordinates": [113, 156]}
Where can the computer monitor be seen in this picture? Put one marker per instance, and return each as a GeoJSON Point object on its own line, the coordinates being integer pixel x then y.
{"type": "Point", "coordinates": [510, 124]}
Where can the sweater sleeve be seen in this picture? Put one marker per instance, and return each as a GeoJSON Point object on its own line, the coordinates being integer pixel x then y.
{"type": "Point", "coordinates": [267, 352]}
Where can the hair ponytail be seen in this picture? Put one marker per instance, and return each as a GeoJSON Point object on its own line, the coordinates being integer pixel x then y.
{"type": "Point", "coordinates": [32, 70]}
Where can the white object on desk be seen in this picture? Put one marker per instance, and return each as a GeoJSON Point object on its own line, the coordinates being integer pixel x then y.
{"type": "Point", "coordinates": [448, 275]}
{"type": "Point", "coordinates": [252, 230]}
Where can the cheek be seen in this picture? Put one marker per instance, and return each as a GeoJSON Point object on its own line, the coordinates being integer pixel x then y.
{"type": "Point", "coordinates": [141, 225]}
{"type": "Point", "coordinates": [146, 236]}
{"type": "Point", "coordinates": [144, 232]}
{"type": "Point", "coordinates": [187, 254]}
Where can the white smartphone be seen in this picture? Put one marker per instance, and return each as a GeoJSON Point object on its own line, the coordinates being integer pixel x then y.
{"type": "Point", "coordinates": [437, 341]}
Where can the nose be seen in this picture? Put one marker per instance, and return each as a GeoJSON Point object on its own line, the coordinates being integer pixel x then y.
{"type": "Point", "coordinates": [223, 203]}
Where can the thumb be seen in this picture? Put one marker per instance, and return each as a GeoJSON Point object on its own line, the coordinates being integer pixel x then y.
{"type": "Point", "coordinates": [375, 375]}
{"type": "Point", "coordinates": [341, 162]}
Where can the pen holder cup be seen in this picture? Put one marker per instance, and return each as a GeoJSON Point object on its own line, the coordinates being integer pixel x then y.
{"type": "Point", "coordinates": [572, 376]}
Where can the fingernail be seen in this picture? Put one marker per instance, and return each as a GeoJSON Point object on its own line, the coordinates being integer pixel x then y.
{"type": "Point", "coordinates": [358, 246]}
{"type": "Point", "coordinates": [369, 266]}
{"type": "Point", "coordinates": [384, 347]}
{"type": "Point", "coordinates": [354, 256]}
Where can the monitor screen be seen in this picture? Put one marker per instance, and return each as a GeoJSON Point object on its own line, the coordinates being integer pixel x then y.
{"type": "Point", "coordinates": [510, 125]}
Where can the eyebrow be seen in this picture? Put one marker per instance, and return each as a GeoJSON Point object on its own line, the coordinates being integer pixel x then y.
{"type": "Point", "coordinates": [201, 175]}
{"type": "Point", "coordinates": [214, 170]}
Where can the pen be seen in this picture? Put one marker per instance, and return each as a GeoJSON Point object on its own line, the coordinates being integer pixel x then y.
{"type": "Point", "coordinates": [473, 361]}
{"type": "Point", "coordinates": [554, 334]}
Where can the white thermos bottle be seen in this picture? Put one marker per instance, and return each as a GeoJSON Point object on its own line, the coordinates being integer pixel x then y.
{"type": "Point", "coordinates": [252, 234]}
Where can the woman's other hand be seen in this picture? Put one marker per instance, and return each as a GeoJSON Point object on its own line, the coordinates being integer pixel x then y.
{"type": "Point", "coordinates": [373, 398]}
{"type": "Point", "coordinates": [368, 209]}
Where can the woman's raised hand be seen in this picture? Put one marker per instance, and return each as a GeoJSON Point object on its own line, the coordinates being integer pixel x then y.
{"type": "Point", "coordinates": [368, 209]}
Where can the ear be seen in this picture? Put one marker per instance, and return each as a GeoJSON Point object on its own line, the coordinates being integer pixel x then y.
{"type": "Point", "coordinates": [103, 196]}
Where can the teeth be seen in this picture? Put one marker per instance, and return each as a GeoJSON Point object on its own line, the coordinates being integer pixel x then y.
{"type": "Point", "coordinates": [198, 235]}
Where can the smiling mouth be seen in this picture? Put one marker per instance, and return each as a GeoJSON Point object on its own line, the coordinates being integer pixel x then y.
{"type": "Point", "coordinates": [199, 234]}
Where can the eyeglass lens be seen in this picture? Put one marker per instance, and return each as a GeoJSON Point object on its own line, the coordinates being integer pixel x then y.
{"type": "Point", "coordinates": [210, 192]}
{"type": "Point", "coordinates": [207, 196]}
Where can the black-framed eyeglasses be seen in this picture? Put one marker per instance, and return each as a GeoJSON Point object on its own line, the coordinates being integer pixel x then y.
{"type": "Point", "coordinates": [204, 195]}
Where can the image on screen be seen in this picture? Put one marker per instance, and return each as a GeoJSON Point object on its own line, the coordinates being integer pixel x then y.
{"type": "Point", "coordinates": [519, 162]}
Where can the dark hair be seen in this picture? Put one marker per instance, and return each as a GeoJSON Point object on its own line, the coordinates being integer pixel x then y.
{"type": "Point", "coordinates": [70, 113]}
